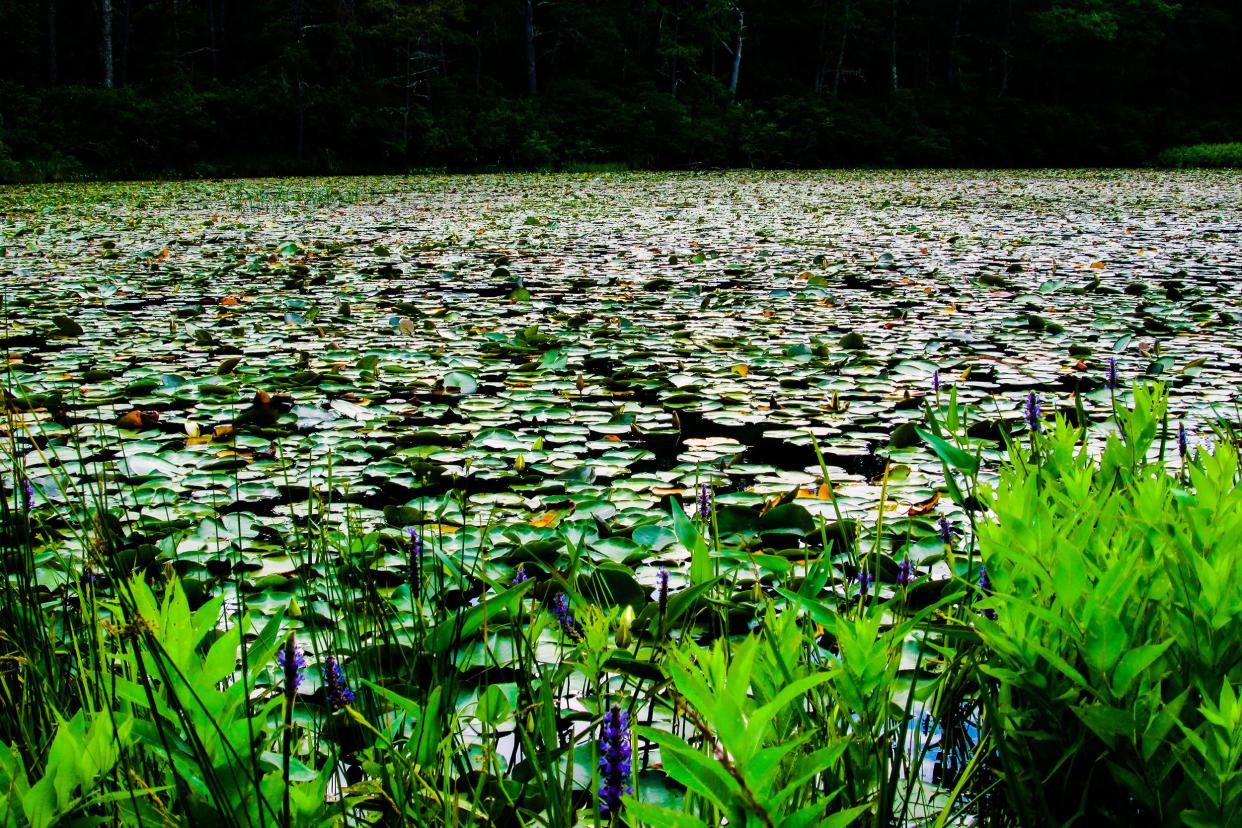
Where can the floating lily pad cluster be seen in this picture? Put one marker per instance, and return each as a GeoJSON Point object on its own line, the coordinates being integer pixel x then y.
{"type": "Point", "coordinates": [502, 362]}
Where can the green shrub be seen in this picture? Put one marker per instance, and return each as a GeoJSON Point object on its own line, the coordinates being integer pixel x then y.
{"type": "Point", "coordinates": [1203, 155]}
{"type": "Point", "coordinates": [1113, 629]}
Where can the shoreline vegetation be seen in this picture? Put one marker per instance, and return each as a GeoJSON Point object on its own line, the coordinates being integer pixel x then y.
{"type": "Point", "coordinates": [1079, 661]}
{"type": "Point", "coordinates": [808, 135]}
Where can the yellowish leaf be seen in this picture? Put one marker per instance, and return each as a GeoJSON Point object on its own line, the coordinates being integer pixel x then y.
{"type": "Point", "coordinates": [665, 491]}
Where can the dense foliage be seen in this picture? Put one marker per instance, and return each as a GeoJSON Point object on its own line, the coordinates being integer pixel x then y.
{"type": "Point", "coordinates": [140, 87]}
{"type": "Point", "coordinates": [1203, 155]}
{"type": "Point", "coordinates": [1080, 667]}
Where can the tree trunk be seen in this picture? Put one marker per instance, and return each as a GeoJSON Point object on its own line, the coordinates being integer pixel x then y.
{"type": "Point", "coordinates": [299, 90]}
{"type": "Point", "coordinates": [531, 85]}
{"type": "Point", "coordinates": [737, 55]}
{"type": "Point", "coordinates": [126, 30]}
{"type": "Point", "coordinates": [845, 31]}
{"type": "Point", "coordinates": [53, 62]}
{"type": "Point", "coordinates": [819, 52]}
{"type": "Point", "coordinates": [105, 41]}
{"type": "Point", "coordinates": [221, 64]}
{"type": "Point", "coordinates": [211, 28]}
{"type": "Point", "coordinates": [892, 44]}
{"type": "Point", "coordinates": [176, 31]}
{"type": "Point", "coordinates": [409, 100]}
{"type": "Point", "coordinates": [671, 58]}
{"type": "Point", "coordinates": [676, 32]}
{"type": "Point", "coordinates": [1004, 84]}
{"type": "Point", "coordinates": [478, 60]}
{"type": "Point", "coordinates": [957, 33]}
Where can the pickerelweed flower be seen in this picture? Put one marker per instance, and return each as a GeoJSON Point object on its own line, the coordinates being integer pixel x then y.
{"type": "Point", "coordinates": [864, 578]}
{"type": "Point", "coordinates": [292, 662]}
{"type": "Point", "coordinates": [985, 588]}
{"type": "Point", "coordinates": [29, 489]}
{"type": "Point", "coordinates": [936, 381]}
{"type": "Point", "coordinates": [1110, 377]}
{"type": "Point", "coordinates": [662, 591]}
{"type": "Point", "coordinates": [1032, 413]}
{"type": "Point", "coordinates": [614, 761]}
{"type": "Point", "coordinates": [946, 530]}
{"type": "Point", "coordinates": [519, 575]}
{"type": "Point", "coordinates": [415, 561]}
{"type": "Point", "coordinates": [1183, 441]}
{"type": "Point", "coordinates": [338, 692]}
{"type": "Point", "coordinates": [905, 572]}
{"type": "Point", "coordinates": [705, 501]}
{"type": "Point", "coordinates": [560, 608]}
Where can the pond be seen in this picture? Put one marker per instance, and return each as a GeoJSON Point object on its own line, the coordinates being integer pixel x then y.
{"type": "Point", "coordinates": [366, 396]}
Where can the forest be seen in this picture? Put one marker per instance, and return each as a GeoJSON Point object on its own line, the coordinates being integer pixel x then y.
{"type": "Point", "coordinates": [134, 88]}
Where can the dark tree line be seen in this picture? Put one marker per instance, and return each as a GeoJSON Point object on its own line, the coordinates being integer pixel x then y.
{"type": "Point", "coordinates": [130, 87]}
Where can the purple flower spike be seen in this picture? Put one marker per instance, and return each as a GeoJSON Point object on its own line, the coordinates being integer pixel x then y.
{"type": "Point", "coordinates": [705, 501]}
{"type": "Point", "coordinates": [338, 692]}
{"type": "Point", "coordinates": [292, 662]}
{"type": "Point", "coordinates": [614, 761]}
{"type": "Point", "coordinates": [1183, 441]}
{"type": "Point", "coordinates": [560, 608]}
{"type": "Point", "coordinates": [985, 588]}
{"type": "Point", "coordinates": [1031, 410]}
{"type": "Point", "coordinates": [936, 381]}
{"type": "Point", "coordinates": [519, 575]}
{"type": "Point", "coordinates": [946, 531]}
{"type": "Point", "coordinates": [864, 579]}
{"type": "Point", "coordinates": [1110, 378]}
{"type": "Point", "coordinates": [662, 591]}
{"type": "Point", "coordinates": [905, 572]}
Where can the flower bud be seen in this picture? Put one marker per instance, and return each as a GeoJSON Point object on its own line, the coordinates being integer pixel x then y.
{"type": "Point", "coordinates": [624, 638]}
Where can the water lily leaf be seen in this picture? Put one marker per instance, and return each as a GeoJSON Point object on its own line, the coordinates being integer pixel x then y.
{"type": "Point", "coordinates": [614, 585]}
{"type": "Point", "coordinates": [460, 382]}
{"type": "Point", "coordinates": [852, 341]}
{"type": "Point", "coordinates": [788, 518]}
{"type": "Point", "coordinates": [67, 326]}
{"type": "Point", "coordinates": [653, 537]}
{"type": "Point", "coordinates": [618, 550]}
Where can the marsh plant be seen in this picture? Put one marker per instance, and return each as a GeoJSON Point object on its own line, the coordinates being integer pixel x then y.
{"type": "Point", "coordinates": [1058, 647]}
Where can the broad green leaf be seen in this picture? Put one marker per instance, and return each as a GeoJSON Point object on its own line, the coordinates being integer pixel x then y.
{"type": "Point", "coordinates": [444, 636]}
{"type": "Point", "coordinates": [657, 816]}
{"type": "Point", "coordinates": [967, 464]}
{"type": "Point", "coordinates": [701, 566]}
